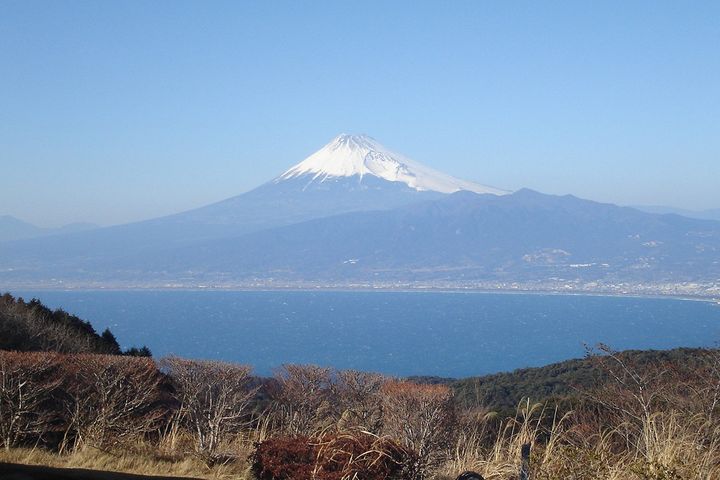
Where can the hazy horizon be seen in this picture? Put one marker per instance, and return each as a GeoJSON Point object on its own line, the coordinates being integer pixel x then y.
{"type": "Point", "coordinates": [127, 111]}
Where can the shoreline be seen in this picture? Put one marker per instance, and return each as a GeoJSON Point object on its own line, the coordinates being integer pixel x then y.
{"type": "Point", "coordinates": [366, 289]}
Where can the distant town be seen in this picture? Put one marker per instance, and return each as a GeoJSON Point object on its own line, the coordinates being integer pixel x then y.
{"type": "Point", "coordinates": [704, 291]}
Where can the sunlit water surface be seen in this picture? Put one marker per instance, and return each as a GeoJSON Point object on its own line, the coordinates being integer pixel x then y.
{"type": "Point", "coordinates": [399, 333]}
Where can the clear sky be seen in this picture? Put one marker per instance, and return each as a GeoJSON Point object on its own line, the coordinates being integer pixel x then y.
{"type": "Point", "coordinates": [125, 110]}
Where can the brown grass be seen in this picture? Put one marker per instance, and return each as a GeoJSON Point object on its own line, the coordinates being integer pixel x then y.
{"type": "Point", "coordinates": [141, 460]}
{"type": "Point", "coordinates": [670, 447]}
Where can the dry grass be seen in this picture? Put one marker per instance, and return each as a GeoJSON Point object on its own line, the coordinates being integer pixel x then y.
{"type": "Point", "coordinates": [666, 447]}
{"type": "Point", "coordinates": [501, 460]}
{"type": "Point", "coordinates": [142, 460]}
{"type": "Point", "coordinates": [114, 462]}
{"type": "Point", "coordinates": [172, 455]}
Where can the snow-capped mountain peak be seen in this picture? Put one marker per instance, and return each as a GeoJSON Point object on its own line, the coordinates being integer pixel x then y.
{"type": "Point", "coordinates": [361, 155]}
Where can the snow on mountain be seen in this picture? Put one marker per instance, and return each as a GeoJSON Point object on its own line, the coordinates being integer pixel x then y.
{"type": "Point", "coordinates": [361, 155]}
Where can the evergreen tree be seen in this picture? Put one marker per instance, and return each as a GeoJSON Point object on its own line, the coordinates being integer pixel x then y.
{"type": "Point", "coordinates": [138, 352]}
{"type": "Point", "coordinates": [111, 342]}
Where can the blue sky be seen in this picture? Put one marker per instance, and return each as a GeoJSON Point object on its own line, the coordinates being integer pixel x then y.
{"type": "Point", "coordinates": [118, 111]}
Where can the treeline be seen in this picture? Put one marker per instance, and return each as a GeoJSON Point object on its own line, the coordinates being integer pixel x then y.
{"type": "Point", "coordinates": [319, 423]}
{"type": "Point", "coordinates": [359, 423]}
{"type": "Point", "coordinates": [33, 327]}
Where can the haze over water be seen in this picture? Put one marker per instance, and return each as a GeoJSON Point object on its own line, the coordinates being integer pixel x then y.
{"type": "Point", "coordinates": [398, 333]}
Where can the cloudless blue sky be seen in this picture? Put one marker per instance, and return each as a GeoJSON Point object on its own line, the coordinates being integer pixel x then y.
{"type": "Point", "coordinates": [125, 110]}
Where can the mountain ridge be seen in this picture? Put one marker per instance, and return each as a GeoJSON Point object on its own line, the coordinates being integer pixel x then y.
{"type": "Point", "coordinates": [327, 226]}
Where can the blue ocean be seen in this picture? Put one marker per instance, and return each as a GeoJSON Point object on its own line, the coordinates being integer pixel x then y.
{"type": "Point", "coordinates": [397, 333]}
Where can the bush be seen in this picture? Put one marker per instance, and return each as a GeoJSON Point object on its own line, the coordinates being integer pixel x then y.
{"type": "Point", "coordinates": [333, 457]}
{"type": "Point", "coordinates": [213, 398]}
{"type": "Point", "coordinates": [305, 397]}
{"type": "Point", "coordinates": [284, 458]}
{"type": "Point", "coordinates": [422, 418]}
{"type": "Point", "coordinates": [363, 455]}
{"type": "Point", "coordinates": [111, 399]}
{"type": "Point", "coordinates": [28, 383]}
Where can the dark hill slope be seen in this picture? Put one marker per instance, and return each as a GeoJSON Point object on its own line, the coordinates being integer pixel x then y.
{"type": "Point", "coordinates": [466, 236]}
{"type": "Point", "coordinates": [462, 237]}
{"type": "Point", "coordinates": [565, 380]}
{"type": "Point", "coordinates": [31, 326]}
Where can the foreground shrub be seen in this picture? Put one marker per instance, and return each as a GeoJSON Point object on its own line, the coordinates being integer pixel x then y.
{"type": "Point", "coordinates": [28, 382]}
{"type": "Point", "coordinates": [363, 455]}
{"type": "Point", "coordinates": [305, 398]}
{"type": "Point", "coordinates": [110, 399]}
{"type": "Point", "coordinates": [422, 418]}
{"type": "Point", "coordinates": [213, 398]}
{"type": "Point", "coordinates": [285, 458]}
{"type": "Point", "coordinates": [357, 455]}
{"type": "Point", "coordinates": [359, 401]}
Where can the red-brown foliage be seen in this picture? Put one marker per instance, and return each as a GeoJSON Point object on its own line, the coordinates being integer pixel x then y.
{"type": "Point", "coordinates": [285, 458]}
{"type": "Point", "coordinates": [111, 398]}
{"type": "Point", "coordinates": [28, 382]}
{"type": "Point", "coordinates": [333, 457]}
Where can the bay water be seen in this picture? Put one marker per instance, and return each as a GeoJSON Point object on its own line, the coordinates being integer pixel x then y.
{"type": "Point", "coordinates": [398, 333]}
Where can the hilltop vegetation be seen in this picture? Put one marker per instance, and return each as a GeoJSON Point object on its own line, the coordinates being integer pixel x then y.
{"type": "Point", "coordinates": [562, 382]}
{"type": "Point", "coordinates": [33, 327]}
{"type": "Point", "coordinates": [651, 419]}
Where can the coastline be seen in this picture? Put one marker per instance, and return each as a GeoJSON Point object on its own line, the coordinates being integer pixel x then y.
{"type": "Point", "coordinates": [699, 297]}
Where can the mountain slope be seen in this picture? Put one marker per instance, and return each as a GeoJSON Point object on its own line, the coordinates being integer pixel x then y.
{"type": "Point", "coordinates": [12, 228]}
{"type": "Point", "coordinates": [350, 173]}
{"type": "Point", "coordinates": [523, 236]}
{"type": "Point", "coordinates": [288, 199]}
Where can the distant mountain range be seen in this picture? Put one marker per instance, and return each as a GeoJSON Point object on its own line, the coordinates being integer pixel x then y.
{"type": "Point", "coordinates": [12, 228]}
{"type": "Point", "coordinates": [356, 212]}
{"type": "Point", "coordinates": [711, 214]}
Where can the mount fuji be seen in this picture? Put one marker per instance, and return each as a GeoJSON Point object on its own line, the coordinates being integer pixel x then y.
{"type": "Point", "coordinates": [352, 173]}
{"type": "Point", "coordinates": [360, 156]}
{"type": "Point", "coordinates": [357, 213]}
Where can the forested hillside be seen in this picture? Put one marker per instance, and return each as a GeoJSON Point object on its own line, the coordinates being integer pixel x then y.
{"type": "Point", "coordinates": [564, 381]}
{"type": "Point", "coordinates": [31, 326]}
